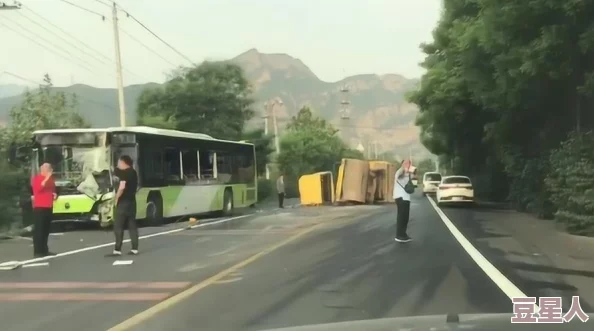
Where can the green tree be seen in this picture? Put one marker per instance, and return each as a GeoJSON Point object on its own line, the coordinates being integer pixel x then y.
{"type": "Point", "coordinates": [42, 109]}
{"type": "Point", "coordinates": [425, 165]}
{"type": "Point", "coordinates": [310, 144]}
{"type": "Point", "coordinates": [571, 182]}
{"type": "Point", "coordinates": [263, 146]}
{"type": "Point", "coordinates": [351, 153]}
{"type": "Point", "coordinates": [213, 98]}
{"type": "Point", "coordinates": [505, 84]}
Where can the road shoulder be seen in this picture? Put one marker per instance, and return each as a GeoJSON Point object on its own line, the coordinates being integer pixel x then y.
{"type": "Point", "coordinates": [534, 253]}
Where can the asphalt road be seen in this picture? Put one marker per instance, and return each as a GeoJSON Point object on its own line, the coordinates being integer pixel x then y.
{"type": "Point", "coordinates": [288, 268]}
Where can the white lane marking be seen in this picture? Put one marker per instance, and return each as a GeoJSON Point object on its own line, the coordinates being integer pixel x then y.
{"type": "Point", "coordinates": [24, 238]}
{"type": "Point", "coordinates": [511, 290]}
{"type": "Point", "coordinates": [39, 264]}
{"type": "Point", "coordinates": [123, 262]}
{"type": "Point", "coordinates": [9, 265]}
{"type": "Point", "coordinates": [224, 251]}
{"type": "Point", "coordinates": [91, 248]}
{"type": "Point", "coordinates": [202, 240]}
{"type": "Point", "coordinates": [192, 267]}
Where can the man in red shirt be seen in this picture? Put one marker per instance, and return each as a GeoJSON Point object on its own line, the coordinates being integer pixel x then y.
{"type": "Point", "coordinates": [44, 194]}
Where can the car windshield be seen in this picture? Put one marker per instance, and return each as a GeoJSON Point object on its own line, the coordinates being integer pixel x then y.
{"type": "Point", "coordinates": [456, 180]}
{"type": "Point", "coordinates": [433, 177]}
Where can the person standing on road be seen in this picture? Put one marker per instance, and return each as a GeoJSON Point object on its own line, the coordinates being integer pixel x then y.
{"type": "Point", "coordinates": [44, 195]}
{"type": "Point", "coordinates": [280, 189]}
{"type": "Point", "coordinates": [402, 198]}
{"type": "Point", "coordinates": [125, 212]}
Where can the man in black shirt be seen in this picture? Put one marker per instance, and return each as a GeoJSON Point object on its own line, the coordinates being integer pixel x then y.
{"type": "Point", "coordinates": [125, 212]}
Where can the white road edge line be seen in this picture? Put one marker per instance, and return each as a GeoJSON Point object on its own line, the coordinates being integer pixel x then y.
{"type": "Point", "coordinates": [511, 290]}
{"type": "Point", "coordinates": [91, 248]}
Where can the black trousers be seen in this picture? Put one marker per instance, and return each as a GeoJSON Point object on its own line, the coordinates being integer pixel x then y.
{"type": "Point", "coordinates": [402, 217]}
{"type": "Point", "coordinates": [125, 216]}
{"type": "Point", "coordinates": [41, 229]}
{"type": "Point", "coordinates": [281, 200]}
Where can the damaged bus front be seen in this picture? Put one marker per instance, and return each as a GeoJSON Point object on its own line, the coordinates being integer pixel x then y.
{"type": "Point", "coordinates": [82, 170]}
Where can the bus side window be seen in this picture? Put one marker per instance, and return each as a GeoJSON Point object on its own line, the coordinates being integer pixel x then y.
{"type": "Point", "coordinates": [224, 167]}
{"type": "Point", "coordinates": [172, 166]}
{"type": "Point", "coordinates": [207, 164]}
{"type": "Point", "coordinates": [151, 169]}
{"type": "Point", "coordinates": [190, 166]}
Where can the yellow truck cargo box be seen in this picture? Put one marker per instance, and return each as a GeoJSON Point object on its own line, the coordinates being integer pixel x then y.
{"type": "Point", "coordinates": [383, 174]}
{"type": "Point", "coordinates": [352, 182]}
{"type": "Point", "coordinates": [316, 189]}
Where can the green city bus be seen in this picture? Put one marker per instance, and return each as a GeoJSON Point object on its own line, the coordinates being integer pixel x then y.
{"type": "Point", "coordinates": [179, 173]}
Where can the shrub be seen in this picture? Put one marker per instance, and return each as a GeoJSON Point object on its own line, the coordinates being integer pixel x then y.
{"type": "Point", "coordinates": [13, 190]}
{"type": "Point", "coordinates": [265, 189]}
{"type": "Point", "coordinates": [570, 182]}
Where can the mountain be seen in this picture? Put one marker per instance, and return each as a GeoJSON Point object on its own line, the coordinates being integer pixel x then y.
{"type": "Point", "coordinates": [378, 117]}
{"type": "Point", "coordinates": [9, 90]}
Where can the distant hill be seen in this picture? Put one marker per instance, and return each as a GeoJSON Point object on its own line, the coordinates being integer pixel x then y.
{"type": "Point", "coordinates": [9, 90]}
{"type": "Point", "coordinates": [378, 111]}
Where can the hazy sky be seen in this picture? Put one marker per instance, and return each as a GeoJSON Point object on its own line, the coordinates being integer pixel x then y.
{"type": "Point", "coordinates": [335, 38]}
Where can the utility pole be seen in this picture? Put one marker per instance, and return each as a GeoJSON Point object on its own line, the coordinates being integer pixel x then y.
{"type": "Point", "coordinates": [276, 140]}
{"type": "Point", "coordinates": [270, 108]}
{"type": "Point", "coordinates": [120, 80]}
{"type": "Point", "coordinates": [266, 134]}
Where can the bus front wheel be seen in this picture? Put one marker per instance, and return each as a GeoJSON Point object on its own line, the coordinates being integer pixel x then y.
{"type": "Point", "coordinates": [154, 212]}
{"type": "Point", "coordinates": [228, 203]}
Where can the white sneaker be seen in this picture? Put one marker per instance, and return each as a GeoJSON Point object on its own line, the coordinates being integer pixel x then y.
{"type": "Point", "coordinates": [115, 253]}
{"type": "Point", "coordinates": [134, 252]}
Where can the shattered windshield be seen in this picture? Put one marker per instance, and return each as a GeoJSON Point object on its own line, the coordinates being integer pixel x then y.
{"type": "Point", "coordinates": [76, 159]}
{"type": "Point", "coordinates": [73, 164]}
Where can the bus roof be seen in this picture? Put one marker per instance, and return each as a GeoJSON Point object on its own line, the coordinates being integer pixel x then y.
{"type": "Point", "coordinates": [142, 129]}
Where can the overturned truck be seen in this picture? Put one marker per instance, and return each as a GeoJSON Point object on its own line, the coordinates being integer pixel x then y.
{"type": "Point", "coordinates": [362, 181]}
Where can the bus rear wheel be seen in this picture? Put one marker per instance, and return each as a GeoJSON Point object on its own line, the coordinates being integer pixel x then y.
{"type": "Point", "coordinates": [228, 203]}
{"type": "Point", "coordinates": [154, 212]}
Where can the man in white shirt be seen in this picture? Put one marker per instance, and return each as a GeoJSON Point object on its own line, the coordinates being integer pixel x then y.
{"type": "Point", "coordinates": [280, 189]}
{"type": "Point", "coordinates": [401, 178]}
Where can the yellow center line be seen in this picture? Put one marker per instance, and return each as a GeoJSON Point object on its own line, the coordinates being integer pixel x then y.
{"type": "Point", "coordinates": [168, 303]}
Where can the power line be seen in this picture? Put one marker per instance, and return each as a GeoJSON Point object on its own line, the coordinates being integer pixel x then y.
{"type": "Point", "coordinates": [92, 50]}
{"type": "Point", "coordinates": [42, 84]}
{"type": "Point", "coordinates": [85, 9]}
{"type": "Point", "coordinates": [52, 44]}
{"type": "Point", "coordinates": [63, 39]}
{"type": "Point", "coordinates": [154, 34]}
{"type": "Point", "coordinates": [103, 3]}
{"type": "Point", "coordinates": [21, 77]}
{"type": "Point", "coordinates": [147, 47]}
{"type": "Point", "coordinates": [44, 47]}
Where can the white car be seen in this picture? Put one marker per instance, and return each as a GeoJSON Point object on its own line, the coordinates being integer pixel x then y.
{"type": "Point", "coordinates": [455, 189]}
{"type": "Point", "coordinates": [431, 181]}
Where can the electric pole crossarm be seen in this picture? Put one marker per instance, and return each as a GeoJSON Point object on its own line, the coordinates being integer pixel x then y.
{"type": "Point", "coordinates": [4, 6]}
